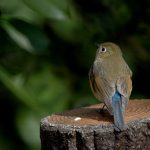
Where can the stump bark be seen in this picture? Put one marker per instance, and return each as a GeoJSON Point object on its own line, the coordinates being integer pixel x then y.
{"type": "Point", "coordinates": [88, 129]}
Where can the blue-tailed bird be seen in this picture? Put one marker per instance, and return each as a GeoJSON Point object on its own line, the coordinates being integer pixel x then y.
{"type": "Point", "coordinates": [110, 81]}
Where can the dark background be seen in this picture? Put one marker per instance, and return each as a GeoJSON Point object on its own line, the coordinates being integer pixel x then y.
{"type": "Point", "coordinates": [46, 50]}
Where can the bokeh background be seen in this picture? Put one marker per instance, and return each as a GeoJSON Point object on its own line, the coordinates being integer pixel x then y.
{"type": "Point", "coordinates": [46, 50]}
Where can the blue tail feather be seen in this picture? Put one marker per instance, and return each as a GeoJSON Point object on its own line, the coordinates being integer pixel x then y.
{"type": "Point", "coordinates": [118, 113]}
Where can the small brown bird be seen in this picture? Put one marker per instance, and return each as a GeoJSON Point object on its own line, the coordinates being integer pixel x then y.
{"type": "Point", "coordinates": [110, 81]}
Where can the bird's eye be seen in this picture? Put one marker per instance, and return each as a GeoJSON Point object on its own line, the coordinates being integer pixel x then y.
{"type": "Point", "coordinates": [103, 49]}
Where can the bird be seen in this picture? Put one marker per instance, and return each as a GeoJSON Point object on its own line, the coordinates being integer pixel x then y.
{"type": "Point", "coordinates": [110, 81]}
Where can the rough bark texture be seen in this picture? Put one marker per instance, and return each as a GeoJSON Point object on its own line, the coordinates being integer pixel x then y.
{"type": "Point", "coordinates": [94, 131]}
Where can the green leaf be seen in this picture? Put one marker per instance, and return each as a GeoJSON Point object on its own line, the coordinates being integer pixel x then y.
{"type": "Point", "coordinates": [35, 34]}
{"type": "Point", "coordinates": [17, 9]}
{"type": "Point", "coordinates": [28, 126]}
{"type": "Point", "coordinates": [52, 93]}
{"type": "Point", "coordinates": [40, 92]}
{"type": "Point", "coordinates": [15, 86]}
{"type": "Point", "coordinates": [47, 9]}
{"type": "Point", "coordinates": [18, 37]}
{"type": "Point", "coordinates": [29, 37]}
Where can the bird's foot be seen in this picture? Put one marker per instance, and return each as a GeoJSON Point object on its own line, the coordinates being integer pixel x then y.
{"type": "Point", "coordinates": [101, 110]}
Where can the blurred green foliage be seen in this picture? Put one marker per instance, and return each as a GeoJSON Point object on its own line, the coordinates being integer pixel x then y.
{"type": "Point", "coordinates": [46, 50]}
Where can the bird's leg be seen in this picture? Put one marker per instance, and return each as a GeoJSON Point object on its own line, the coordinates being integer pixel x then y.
{"type": "Point", "coordinates": [101, 110]}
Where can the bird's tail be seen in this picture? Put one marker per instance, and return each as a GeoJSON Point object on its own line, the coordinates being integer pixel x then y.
{"type": "Point", "coordinates": [118, 112]}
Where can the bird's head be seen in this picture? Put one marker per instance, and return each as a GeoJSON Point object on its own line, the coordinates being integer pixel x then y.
{"type": "Point", "coordinates": [108, 49]}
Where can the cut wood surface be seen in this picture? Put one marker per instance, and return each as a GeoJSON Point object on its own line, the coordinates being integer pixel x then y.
{"type": "Point", "coordinates": [88, 128]}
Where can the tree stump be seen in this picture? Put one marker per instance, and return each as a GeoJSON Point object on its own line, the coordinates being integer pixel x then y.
{"type": "Point", "coordinates": [88, 129]}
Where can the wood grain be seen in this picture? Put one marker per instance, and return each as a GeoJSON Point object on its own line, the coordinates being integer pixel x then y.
{"type": "Point", "coordinates": [87, 128]}
{"type": "Point", "coordinates": [137, 109]}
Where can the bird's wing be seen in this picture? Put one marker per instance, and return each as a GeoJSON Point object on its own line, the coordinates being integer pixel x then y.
{"type": "Point", "coordinates": [102, 88]}
{"type": "Point", "coordinates": [124, 87]}
{"type": "Point", "coordinates": [97, 91]}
